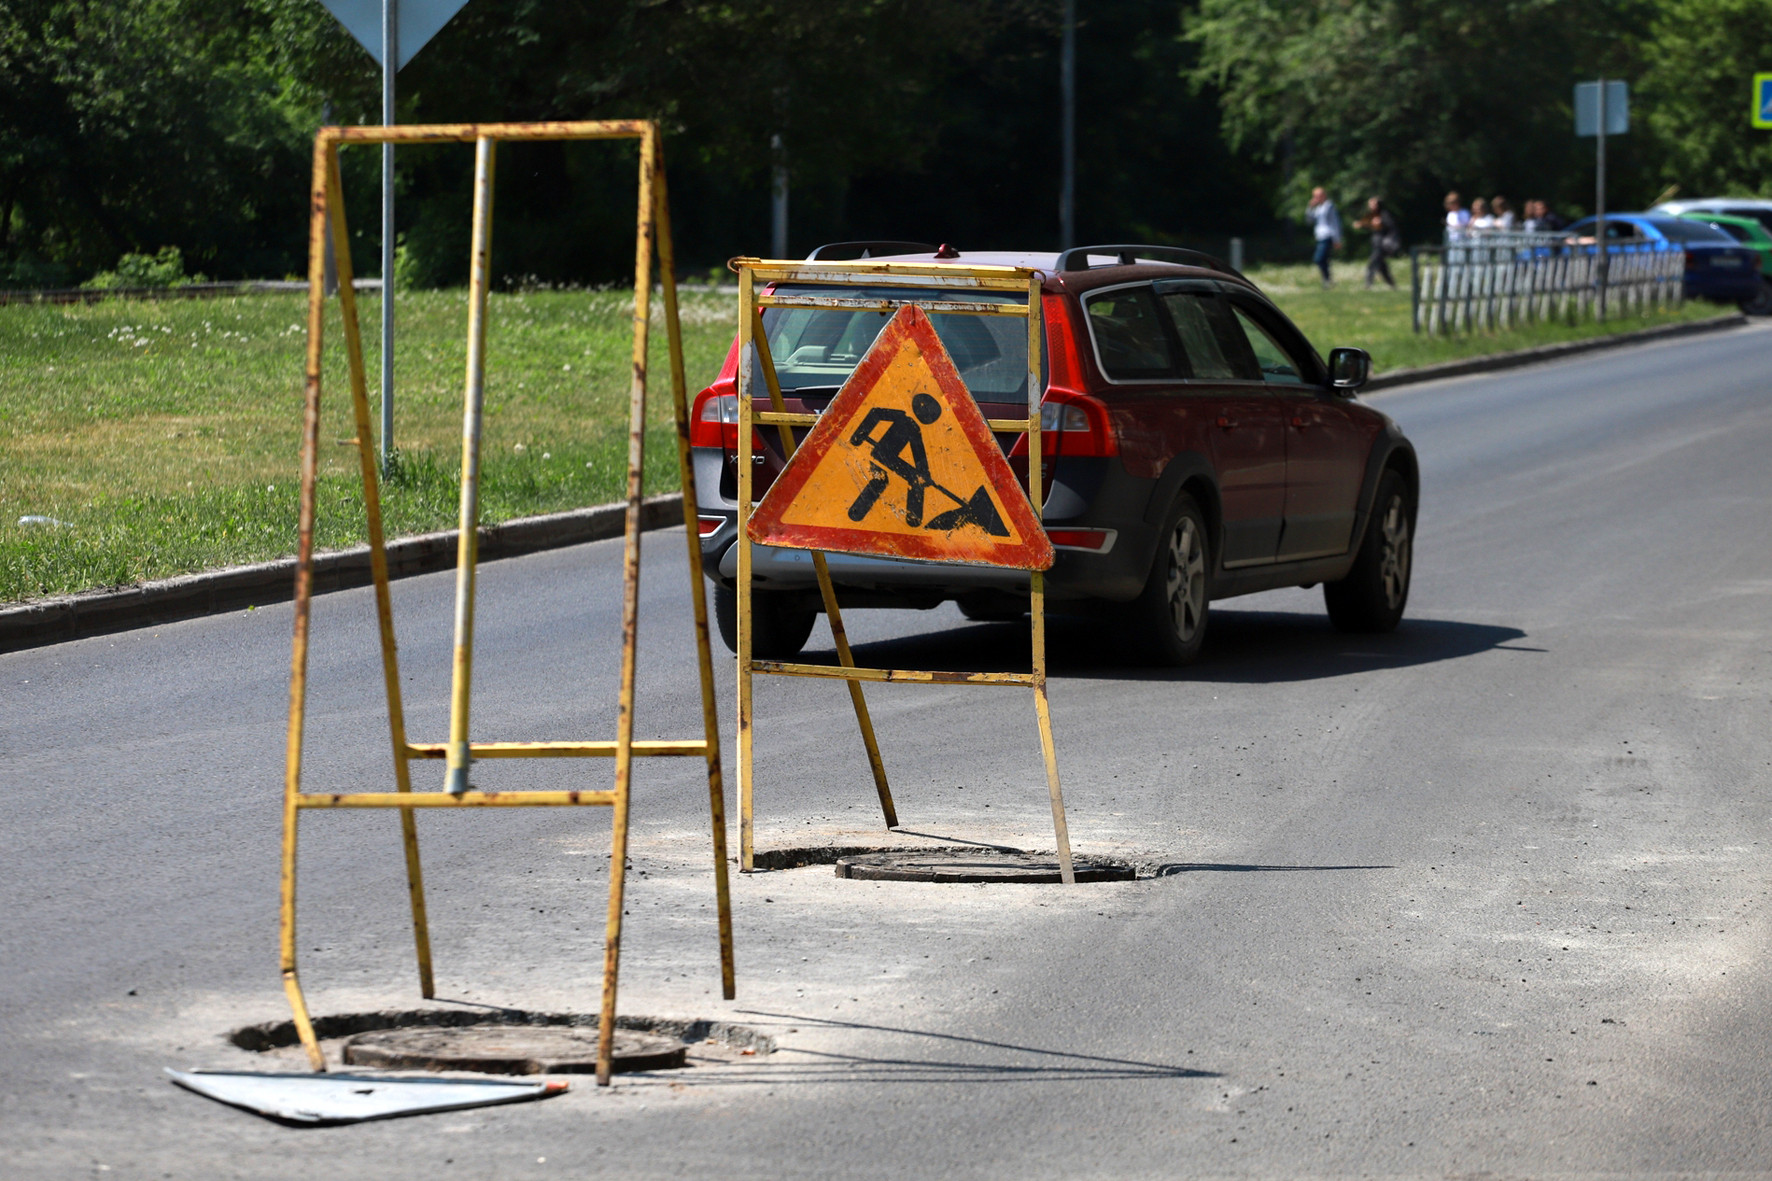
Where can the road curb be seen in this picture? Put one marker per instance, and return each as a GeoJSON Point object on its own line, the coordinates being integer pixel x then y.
{"type": "Point", "coordinates": [1548, 352]}
{"type": "Point", "coordinates": [95, 613]}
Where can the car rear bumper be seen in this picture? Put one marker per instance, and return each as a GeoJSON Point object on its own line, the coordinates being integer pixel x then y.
{"type": "Point", "coordinates": [1726, 286]}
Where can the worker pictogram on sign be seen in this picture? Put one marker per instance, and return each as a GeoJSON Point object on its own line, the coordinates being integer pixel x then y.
{"type": "Point", "coordinates": [902, 464]}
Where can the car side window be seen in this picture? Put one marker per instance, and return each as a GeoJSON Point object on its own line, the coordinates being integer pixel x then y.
{"type": "Point", "coordinates": [1212, 346]}
{"type": "Point", "coordinates": [1129, 337]}
{"type": "Point", "coordinates": [1619, 230]}
{"type": "Point", "coordinates": [1276, 364]}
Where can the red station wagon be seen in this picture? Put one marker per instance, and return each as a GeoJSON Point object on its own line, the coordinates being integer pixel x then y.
{"type": "Point", "coordinates": [1197, 448]}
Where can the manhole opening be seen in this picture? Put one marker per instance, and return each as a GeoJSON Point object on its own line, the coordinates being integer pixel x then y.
{"type": "Point", "coordinates": [511, 1049]}
{"type": "Point", "coordinates": [977, 866]}
{"type": "Point", "coordinates": [648, 1039]}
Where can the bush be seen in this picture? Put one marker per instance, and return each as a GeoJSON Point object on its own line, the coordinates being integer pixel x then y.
{"type": "Point", "coordinates": [166, 269]}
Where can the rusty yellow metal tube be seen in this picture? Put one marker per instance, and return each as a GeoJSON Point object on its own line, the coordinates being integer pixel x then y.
{"type": "Point", "coordinates": [630, 607]}
{"type": "Point", "coordinates": [594, 749]}
{"type": "Point", "coordinates": [747, 316]}
{"type": "Point", "coordinates": [451, 799]}
{"type": "Point", "coordinates": [931, 306]}
{"type": "Point", "coordinates": [1037, 589]}
{"type": "Point", "coordinates": [902, 274]}
{"type": "Point", "coordinates": [378, 568]}
{"type": "Point", "coordinates": [826, 591]}
{"type": "Point", "coordinates": [789, 418]}
{"type": "Point", "coordinates": [895, 676]}
{"type": "Point", "coordinates": [319, 198]}
{"type": "Point", "coordinates": [467, 545]}
{"type": "Point", "coordinates": [418, 133]}
{"type": "Point", "coordinates": [698, 591]}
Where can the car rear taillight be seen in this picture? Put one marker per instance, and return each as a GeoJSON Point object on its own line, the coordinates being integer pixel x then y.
{"type": "Point", "coordinates": [714, 421]}
{"type": "Point", "coordinates": [1074, 424]}
{"type": "Point", "coordinates": [1692, 260]}
{"type": "Point", "coordinates": [1096, 541]}
{"type": "Point", "coordinates": [707, 525]}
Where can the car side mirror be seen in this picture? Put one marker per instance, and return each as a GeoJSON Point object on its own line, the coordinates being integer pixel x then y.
{"type": "Point", "coordinates": [1349, 369]}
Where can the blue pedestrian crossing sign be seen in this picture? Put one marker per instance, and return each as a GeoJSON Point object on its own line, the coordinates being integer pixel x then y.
{"type": "Point", "coordinates": [1763, 100]}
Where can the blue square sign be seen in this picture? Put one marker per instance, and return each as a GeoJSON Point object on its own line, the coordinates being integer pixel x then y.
{"type": "Point", "coordinates": [1763, 100]}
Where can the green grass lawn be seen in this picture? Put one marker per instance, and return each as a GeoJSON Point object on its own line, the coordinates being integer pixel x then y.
{"type": "Point", "coordinates": [164, 437]}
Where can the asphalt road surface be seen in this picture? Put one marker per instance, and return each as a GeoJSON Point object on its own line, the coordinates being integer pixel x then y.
{"type": "Point", "coordinates": [1487, 896]}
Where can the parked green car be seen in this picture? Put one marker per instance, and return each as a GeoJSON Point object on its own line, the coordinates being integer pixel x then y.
{"type": "Point", "coordinates": [1750, 233]}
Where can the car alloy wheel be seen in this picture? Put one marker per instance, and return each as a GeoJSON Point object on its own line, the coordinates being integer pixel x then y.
{"type": "Point", "coordinates": [1187, 579]}
{"type": "Point", "coordinates": [1393, 563]}
{"type": "Point", "coordinates": [1372, 596]}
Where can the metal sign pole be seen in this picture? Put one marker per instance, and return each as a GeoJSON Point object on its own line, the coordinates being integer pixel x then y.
{"type": "Point", "coordinates": [1600, 260]}
{"type": "Point", "coordinates": [390, 65]}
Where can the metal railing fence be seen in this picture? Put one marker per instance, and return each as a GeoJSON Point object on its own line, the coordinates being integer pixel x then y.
{"type": "Point", "coordinates": [1494, 280]}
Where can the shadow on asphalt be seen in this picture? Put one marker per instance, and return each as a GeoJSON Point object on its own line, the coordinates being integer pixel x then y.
{"type": "Point", "coordinates": [1246, 647]}
{"type": "Point", "coordinates": [1013, 1063]}
{"type": "Point", "coordinates": [1180, 867]}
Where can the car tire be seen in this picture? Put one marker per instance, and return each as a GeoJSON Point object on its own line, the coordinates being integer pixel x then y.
{"type": "Point", "coordinates": [780, 626]}
{"type": "Point", "coordinates": [1168, 619]}
{"type": "Point", "coordinates": [1372, 596]}
{"type": "Point", "coordinates": [1761, 303]}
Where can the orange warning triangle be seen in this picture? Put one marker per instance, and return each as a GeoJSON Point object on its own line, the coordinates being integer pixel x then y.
{"type": "Point", "coordinates": [901, 464]}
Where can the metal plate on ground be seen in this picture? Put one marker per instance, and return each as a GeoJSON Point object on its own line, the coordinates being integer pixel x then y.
{"type": "Point", "coordinates": [974, 865]}
{"type": "Point", "coordinates": [511, 1049]}
{"type": "Point", "coordinates": [351, 1098]}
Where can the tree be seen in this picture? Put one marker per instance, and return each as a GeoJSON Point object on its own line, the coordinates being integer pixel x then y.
{"type": "Point", "coordinates": [1694, 96]}
{"type": "Point", "coordinates": [132, 127]}
{"type": "Point", "coordinates": [1409, 98]}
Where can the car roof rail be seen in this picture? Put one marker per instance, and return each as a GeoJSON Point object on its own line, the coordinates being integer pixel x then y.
{"type": "Point", "coordinates": [1077, 257]}
{"type": "Point", "coordinates": [846, 251]}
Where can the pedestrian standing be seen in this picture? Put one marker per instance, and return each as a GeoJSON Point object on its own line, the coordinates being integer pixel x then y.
{"type": "Point", "coordinates": [1481, 221]}
{"type": "Point", "coordinates": [1503, 213]}
{"type": "Point", "coordinates": [1325, 222]}
{"type": "Point", "coordinates": [1386, 241]}
{"type": "Point", "coordinates": [1458, 218]}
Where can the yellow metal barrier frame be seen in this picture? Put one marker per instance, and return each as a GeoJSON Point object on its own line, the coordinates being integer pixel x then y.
{"type": "Point", "coordinates": [937, 278]}
{"type": "Point", "coordinates": [326, 215]}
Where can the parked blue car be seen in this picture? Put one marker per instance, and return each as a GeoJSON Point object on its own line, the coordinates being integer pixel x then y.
{"type": "Point", "coordinates": [1718, 267]}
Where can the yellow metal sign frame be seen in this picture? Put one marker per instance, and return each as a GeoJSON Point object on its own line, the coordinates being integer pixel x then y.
{"type": "Point", "coordinates": [936, 279]}
{"type": "Point", "coordinates": [326, 216]}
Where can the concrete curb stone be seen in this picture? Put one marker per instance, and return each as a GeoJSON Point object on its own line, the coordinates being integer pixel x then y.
{"type": "Point", "coordinates": [1548, 352]}
{"type": "Point", "coordinates": [93, 613]}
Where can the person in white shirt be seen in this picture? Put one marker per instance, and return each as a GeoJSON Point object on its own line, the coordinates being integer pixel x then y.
{"type": "Point", "coordinates": [1325, 222]}
{"type": "Point", "coordinates": [1503, 214]}
{"type": "Point", "coordinates": [1458, 218]}
{"type": "Point", "coordinates": [1481, 219]}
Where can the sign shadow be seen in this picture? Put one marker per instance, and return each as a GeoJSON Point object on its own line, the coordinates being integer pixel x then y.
{"type": "Point", "coordinates": [968, 1060]}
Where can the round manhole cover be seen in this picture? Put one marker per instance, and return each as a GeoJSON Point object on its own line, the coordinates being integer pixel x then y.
{"type": "Point", "coordinates": [938, 865]}
{"type": "Point", "coordinates": [510, 1049]}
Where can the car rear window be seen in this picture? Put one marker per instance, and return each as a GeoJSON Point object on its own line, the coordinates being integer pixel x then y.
{"type": "Point", "coordinates": [820, 347]}
{"type": "Point", "coordinates": [1678, 229]}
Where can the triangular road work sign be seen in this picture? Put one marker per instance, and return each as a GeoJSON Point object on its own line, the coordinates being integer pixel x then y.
{"type": "Point", "coordinates": [902, 465]}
